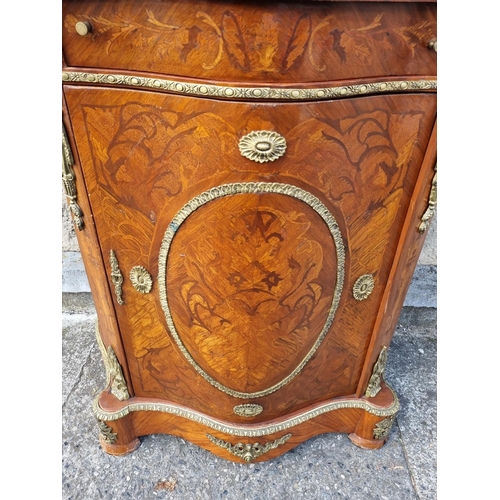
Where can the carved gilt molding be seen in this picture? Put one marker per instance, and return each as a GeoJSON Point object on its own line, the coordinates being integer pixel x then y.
{"type": "Point", "coordinates": [253, 93]}
{"type": "Point", "coordinates": [250, 430]}
{"type": "Point", "coordinates": [249, 452]}
{"type": "Point", "coordinates": [114, 373]}
{"type": "Point", "coordinates": [116, 277]}
{"type": "Point", "coordinates": [68, 178]}
{"type": "Point", "coordinates": [431, 206]}
{"type": "Point", "coordinates": [374, 386]}
{"type": "Point", "coordinates": [251, 188]}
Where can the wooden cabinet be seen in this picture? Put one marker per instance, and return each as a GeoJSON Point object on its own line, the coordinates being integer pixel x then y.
{"type": "Point", "coordinates": [252, 183]}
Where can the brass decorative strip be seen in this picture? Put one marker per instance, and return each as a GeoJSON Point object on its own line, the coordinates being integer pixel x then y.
{"type": "Point", "coordinates": [250, 187]}
{"type": "Point", "coordinates": [431, 206]}
{"type": "Point", "coordinates": [114, 374]}
{"type": "Point", "coordinates": [116, 277]}
{"type": "Point", "coordinates": [249, 452]}
{"type": "Point", "coordinates": [383, 428]}
{"type": "Point", "coordinates": [106, 432]}
{"type": "Point", "coordinates": [250, 430]}
{"type": "Point", "coordinates": [374, 386]}
{"type": "Point", "coordinates": [68, 178]}
{"type": "Point", "coordinates": [259, 93]}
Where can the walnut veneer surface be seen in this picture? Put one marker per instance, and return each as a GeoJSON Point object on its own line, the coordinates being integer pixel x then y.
{"type": "Point", "coordinates": [244, 299]}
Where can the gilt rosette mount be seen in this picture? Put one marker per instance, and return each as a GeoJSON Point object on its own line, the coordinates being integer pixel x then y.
{"type": "Point", "coordinates": [262, 146]}
{"type": "Point", "coordinates": [141, 279]}
{"type": "Point", "coordinates": [363, 287]}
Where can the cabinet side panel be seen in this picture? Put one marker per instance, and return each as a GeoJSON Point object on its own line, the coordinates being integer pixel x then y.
{"type": "Point", "coordinates": [90, 249]}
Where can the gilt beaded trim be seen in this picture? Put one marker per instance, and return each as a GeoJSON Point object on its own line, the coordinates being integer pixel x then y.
{"type": "Point", "coordinates": [254, 93]}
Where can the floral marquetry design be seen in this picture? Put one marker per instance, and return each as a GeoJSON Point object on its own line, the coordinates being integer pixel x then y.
{"type": "Point", "coordinates": [219, 39]}
{"type": "Point", "coordinates": [248, 319]}
{"type": "Point", "coordinates": [262, 146]}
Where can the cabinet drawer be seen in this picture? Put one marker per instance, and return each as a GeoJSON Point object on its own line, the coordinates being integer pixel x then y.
{"type": "Point", "coordinates": [250, 42]}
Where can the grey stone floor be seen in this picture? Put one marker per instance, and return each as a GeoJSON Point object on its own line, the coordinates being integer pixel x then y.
{"type": "Point", "coordinates": [327, 466]}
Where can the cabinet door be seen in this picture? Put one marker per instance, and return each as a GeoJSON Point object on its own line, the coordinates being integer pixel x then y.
{"type": "Point", "coordinates": [266, 278]}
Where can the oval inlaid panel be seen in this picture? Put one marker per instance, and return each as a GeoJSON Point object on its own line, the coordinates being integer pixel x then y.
{"type": "Point", "coordinates": [250, 277]}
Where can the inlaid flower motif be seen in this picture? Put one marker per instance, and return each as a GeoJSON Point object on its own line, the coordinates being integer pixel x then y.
{"type": "Point", "coordinates": [262, 146]}
{"type": "Point", "coordinates": [141, 279]}
{"type": "Point", "coordinates": [363, 287]}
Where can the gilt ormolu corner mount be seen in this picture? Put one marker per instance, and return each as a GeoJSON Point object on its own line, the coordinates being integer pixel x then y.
{"type": "Point", "coordinates": [252, 184]}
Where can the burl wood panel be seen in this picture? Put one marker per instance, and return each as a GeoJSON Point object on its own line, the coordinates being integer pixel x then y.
{"type": "Point", "coordinates": [253, 41]}
{"type": "Point", "coordinates": [144, 155]}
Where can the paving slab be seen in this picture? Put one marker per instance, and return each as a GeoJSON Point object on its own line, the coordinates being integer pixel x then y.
{"type": "Point", "coordinates": [328, 466]}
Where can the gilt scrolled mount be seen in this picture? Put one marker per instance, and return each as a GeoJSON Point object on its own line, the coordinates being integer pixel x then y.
{"type": "Point", "coordinates": [374, 384]}
{"type": "Point", "coordinates": [249, 451]}
{"type": "Point", "coordinates": [106, 432]}
{"type": "Point", "coordinates": [116, 277]}
{"type": "Point", "coordinates": [68, 177]}
{"type": "Point", "coordinates": [383, 428]}
{"type": "Point", "coordinates": [431, 206]}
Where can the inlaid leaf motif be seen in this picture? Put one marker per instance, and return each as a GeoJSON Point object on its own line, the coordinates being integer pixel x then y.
{"type": "Point", "coordinates": [411, 35]}
{"type": "Point", "coordinates": [298, 42]}
{"type": "Point", "coordinates": [337, 45]}
{"type": "Point", "coordinates": [119, 28]}
{"type": "Point", "coordinates": [192, 42]}
{"type": "Point", "coordinates": [357, 47]}
{"type": "Point", "coordinates": [234, 41]}
{"type": "Point", "coordinates": [266, 43]}
{"type": "Point", "coordinates": [361, 150]}
{"type": "Point", "coordinates": [147, 153]}
{"type": "Point", "coordinates": [152, 19]}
